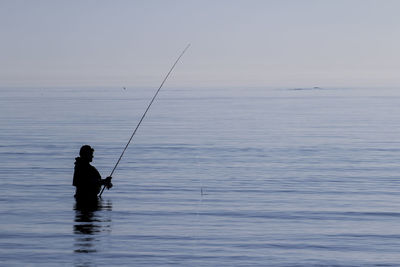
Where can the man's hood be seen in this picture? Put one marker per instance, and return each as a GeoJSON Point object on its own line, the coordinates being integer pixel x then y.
{"type": "Point", "coordinates": [80, 161]}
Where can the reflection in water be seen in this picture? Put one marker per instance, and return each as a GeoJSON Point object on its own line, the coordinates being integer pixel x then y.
{"type": "Point", "coordinates": [91, 220]}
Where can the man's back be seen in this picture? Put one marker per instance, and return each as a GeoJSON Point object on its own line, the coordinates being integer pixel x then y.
{"type": "Point", "coordinates": [87, 179]}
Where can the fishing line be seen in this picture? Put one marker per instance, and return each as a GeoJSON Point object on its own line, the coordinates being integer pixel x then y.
{"type": "Point", "coordinates": [144, 114]}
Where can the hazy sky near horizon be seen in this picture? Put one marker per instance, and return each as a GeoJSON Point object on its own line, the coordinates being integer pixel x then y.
{"type": "Point", "coordinates": [297, 43]}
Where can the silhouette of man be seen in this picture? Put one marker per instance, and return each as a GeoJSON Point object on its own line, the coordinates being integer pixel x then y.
{"type": "Point", "coordinates": [87, 179]}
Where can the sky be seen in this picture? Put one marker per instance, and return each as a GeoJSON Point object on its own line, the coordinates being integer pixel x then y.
{"type": "Point", "coordinates": [286, 43]}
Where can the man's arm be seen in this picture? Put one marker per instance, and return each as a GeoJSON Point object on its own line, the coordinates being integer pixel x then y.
{"type": "Point", "coordinates": [107, 182]}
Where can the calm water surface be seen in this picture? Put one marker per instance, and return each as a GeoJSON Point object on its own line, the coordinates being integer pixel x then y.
{"type": "Point", "coordinates": [214, 177]}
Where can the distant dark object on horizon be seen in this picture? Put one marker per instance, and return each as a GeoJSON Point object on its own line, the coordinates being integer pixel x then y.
{"type": "Point", "coordinates": [304, 89]}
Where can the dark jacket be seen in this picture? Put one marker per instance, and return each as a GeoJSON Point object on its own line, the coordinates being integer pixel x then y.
{"type": "Point", "coordinates": [87, 179]}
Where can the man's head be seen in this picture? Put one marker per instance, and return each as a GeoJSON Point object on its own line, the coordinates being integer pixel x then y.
{"type": "Point", "coordinates": [86, 153]}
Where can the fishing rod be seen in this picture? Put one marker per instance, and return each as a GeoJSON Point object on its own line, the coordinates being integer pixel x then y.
{"type": "Point", "coordinates": [144, 114]}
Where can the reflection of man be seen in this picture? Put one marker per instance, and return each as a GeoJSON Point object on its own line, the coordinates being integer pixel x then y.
{"type": "Point", "coordinates": [87, 179]}
{"type": "Point", "coordinates": [90, 221]}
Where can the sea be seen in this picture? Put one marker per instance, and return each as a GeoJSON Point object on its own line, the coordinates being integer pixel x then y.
{"type": "Point", "coordinates": [227, 176]}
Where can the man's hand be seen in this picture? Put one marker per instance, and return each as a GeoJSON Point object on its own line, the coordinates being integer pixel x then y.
{"type": "Point", "coordinates": [108, 183]}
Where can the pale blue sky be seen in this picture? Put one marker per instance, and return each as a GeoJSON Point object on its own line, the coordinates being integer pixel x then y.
{"type": "Point", "coordinates": [234, 43]}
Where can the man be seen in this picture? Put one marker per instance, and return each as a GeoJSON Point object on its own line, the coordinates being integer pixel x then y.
{"type": "Point", "coordinates": [87, 179]}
